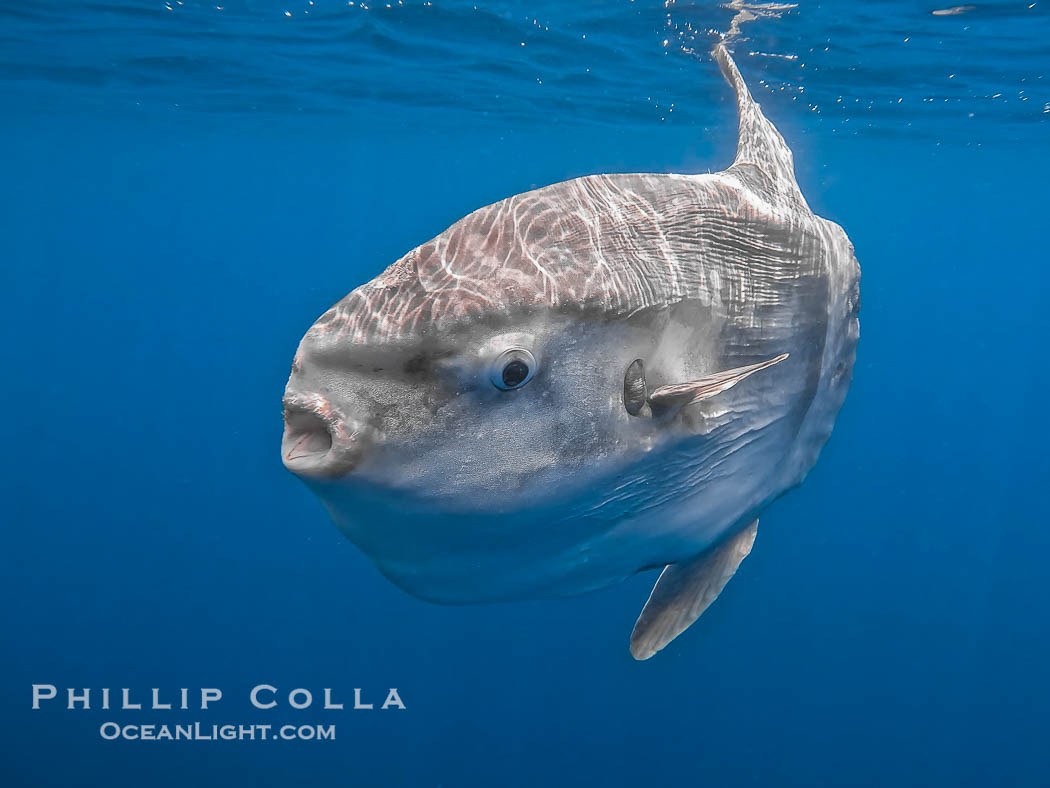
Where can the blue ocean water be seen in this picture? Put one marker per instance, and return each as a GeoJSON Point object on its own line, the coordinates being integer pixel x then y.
{"type": "Point", "coordinates": [188, 185]}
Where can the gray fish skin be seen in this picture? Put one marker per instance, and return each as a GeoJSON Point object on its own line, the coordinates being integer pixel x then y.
{"type": "Point", "coordinates": [461, 492]}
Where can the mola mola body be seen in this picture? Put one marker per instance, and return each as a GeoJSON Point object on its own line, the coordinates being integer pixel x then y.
{"type": "Point", "coordinates": [602, 376]}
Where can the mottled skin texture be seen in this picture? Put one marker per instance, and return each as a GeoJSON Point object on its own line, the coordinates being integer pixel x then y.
{"type": "Point", "coordinates": [461, 492]}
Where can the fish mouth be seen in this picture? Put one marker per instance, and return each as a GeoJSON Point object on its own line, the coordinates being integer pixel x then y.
{"type": "Point", "coordinates": [318, 442]}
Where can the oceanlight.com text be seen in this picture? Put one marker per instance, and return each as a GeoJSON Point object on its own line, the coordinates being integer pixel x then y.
{"type": "Point", "coordinates": [196, 731]}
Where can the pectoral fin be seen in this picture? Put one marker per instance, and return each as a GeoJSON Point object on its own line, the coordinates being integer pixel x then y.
{"type": "Point", "coordinates": [682, 394]}
{"type": "Point", "coordinates": [684, 591]}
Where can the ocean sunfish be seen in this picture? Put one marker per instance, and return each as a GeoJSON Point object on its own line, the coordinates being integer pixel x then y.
{"type": "Point", "coordinates": [602, 376]}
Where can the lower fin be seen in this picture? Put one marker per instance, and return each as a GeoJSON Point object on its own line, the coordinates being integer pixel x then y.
{"type": "Point", "coordinates": [684, 591]}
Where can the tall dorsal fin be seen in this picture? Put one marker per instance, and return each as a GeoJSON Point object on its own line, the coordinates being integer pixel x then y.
{"type": "Point", "coordinates": [763, 159]}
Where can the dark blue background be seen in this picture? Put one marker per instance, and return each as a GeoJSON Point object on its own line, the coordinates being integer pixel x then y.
{"type": "Point", "coordinates": [158, 271]}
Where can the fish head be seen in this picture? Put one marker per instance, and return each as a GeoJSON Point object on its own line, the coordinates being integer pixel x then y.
{"type": "Point", "coordinates": [473, 404]}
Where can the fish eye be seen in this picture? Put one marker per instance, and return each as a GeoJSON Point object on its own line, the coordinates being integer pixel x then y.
{"type": "Point", "coordinates": [512, 369]}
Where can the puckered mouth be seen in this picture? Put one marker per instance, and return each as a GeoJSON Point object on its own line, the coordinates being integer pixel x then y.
{"type": "Point", "coordinates": [318, 442]}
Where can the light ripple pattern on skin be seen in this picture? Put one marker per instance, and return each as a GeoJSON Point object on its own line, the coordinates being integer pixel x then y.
{"type": "Point", "coordinates": [464, 417]}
